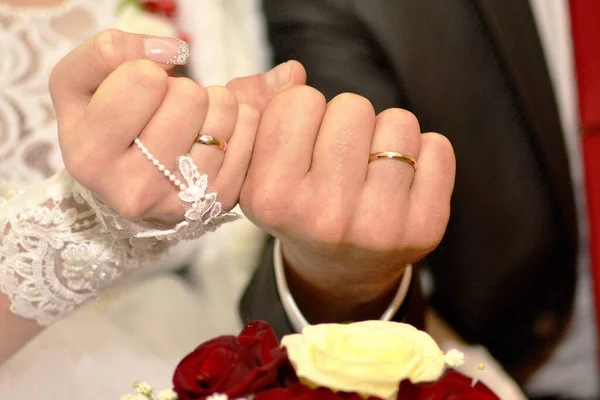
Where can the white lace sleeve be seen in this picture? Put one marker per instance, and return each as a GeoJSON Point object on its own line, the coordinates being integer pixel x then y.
{"type": "Point", "coordinates": [56, 251]}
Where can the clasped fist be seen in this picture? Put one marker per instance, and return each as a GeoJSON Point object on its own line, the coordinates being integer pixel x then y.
{"type": "Point", "coordinates": [310, 184]}
{"type": "Point", "coordinates": [303, 174]}
{"type": "Point", "coordinates": [114, 89]}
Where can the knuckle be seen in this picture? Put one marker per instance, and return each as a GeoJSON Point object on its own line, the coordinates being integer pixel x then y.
{"type": "Point", "coordinates": [185, 89]}
{"type": "Point", "coordinates": [439, 147]}
{"type": "Point", "coordinates": [219, 96]}
{"type": "Point", "coordinates": [356, 102]}
{"type": "Point", "coordinates": [78, 167]}
{"type": "Point", "coordinates": [133, 204]}
{"type": "Point", "coordinates": [146, 74]}
{"type": "Point", "coordinates": [385, 244]}
{"type": "Point", "coordinates": [248, 115]}
{"type": "Point", "coordinates": [400, 117]}
{"type": "Point", "coordinates": [235, 83]}
{"type": "Point", "coordinates": [391, 241]}
{"type": "Point", "coordinates": [303, 94]}
{"type": "Point", "coordinates": [430, 243]}
{"type": "Point", "coordinates": [228, 203]}
{"type": "Point", "coordinates": [83, 165]}
{"type": "Point", "coordinates": [109, 47]}
{"type": "Point", "coordinates": [328, 229]}
{"type": "Point", "coordinates": [432, 229]}
{"type": "Point", "coordinates": [267, 206]}
{"type": "Point", "coordinates": [439, 142]}
{"type": "Point", "coordinates": [244, 90]}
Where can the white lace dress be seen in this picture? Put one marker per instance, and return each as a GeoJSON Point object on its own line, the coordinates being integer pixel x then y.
{"type": "Point", "coordinates": [140, 329]}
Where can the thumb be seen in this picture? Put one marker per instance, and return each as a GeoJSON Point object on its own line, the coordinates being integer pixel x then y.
{"type": "Point", "coordinates": [77, 75]}
{"type": "Point", "coordinates": [258, 90]}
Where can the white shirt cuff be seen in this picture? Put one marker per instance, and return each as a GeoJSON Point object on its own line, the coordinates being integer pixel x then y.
{"type": "Point", "coordinates": [294, 314]}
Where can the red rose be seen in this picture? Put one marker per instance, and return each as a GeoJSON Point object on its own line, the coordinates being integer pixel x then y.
{"type": "Point", "coordinates": [235, 366]}
{"type": "Point", "coordinates": [166, 7]}
{"type": "Point", "coordinates": [298, 391]}
{"type": "Point", "coordinates": [452, 386]}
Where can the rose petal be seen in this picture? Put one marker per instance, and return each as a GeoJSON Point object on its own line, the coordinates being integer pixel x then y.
{"type": "Point", "coordinates": [451, 386]}
{"type": "Point", "coordinates": [259, 331]}
{"type": "Point", "coordinates": [235, 366]}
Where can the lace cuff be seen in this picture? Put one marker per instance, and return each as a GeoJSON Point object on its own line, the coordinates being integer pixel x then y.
{"type": "Point", "coordinates": [203, 211]}
{"type": "Point", "coordinates": [60, 247]}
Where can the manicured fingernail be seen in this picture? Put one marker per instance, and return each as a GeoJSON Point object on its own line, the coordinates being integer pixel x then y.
{"type": "Point", "coordinates": [167, 50]}
{"type": "Point", "coordinates": [279, 76]}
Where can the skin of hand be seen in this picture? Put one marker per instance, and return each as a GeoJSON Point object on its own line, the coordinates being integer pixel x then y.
{"type": "Point", "coordinates": [114, 88]}
{"type": "Point", "coordinates": [347, 227]}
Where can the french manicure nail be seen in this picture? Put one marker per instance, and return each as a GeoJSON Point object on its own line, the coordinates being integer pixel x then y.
{"type": "Point", "coordinates": [279, 76]}
{"type": "Point", "coordinates": [167, 50]}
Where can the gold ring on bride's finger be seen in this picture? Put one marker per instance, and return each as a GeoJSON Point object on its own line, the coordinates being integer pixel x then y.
{"type": "Point", "coordinates": [212, 141]}
{"type": "Point", "coordinates": [396, 156]}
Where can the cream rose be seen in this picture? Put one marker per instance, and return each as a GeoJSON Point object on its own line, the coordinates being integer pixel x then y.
{"type": "Point", "coordinates": [370, 357]}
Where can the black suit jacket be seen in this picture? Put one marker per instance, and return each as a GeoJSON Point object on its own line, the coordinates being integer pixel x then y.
{"type": "Point", "coordinates": [475, 71]}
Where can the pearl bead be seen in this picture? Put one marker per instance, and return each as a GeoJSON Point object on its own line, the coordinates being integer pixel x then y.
{"type": "Point", "coordinates": [161, 167]}
{"type": "Point", "coordinates": [194, 190]}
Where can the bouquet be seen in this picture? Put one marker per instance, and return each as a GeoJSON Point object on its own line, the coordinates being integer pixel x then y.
{"type": "Point", "coordinates": [363, 360]}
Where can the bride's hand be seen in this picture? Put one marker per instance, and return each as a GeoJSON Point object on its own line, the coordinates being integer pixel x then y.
{"type": "Point", "coordinates": [107, 93]}
{"type": "Point", "coordinates": [115, 88]}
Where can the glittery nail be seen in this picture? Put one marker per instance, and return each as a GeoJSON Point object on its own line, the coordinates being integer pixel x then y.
{"type": "Point", "coordinates": [167, 50]}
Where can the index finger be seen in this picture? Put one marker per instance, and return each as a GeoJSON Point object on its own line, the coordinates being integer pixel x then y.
{"type": "Point", "coordinates": [79, 73]}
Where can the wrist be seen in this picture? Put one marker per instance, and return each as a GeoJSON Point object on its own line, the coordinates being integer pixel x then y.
{"type": "Point", "coordinates": [328, 291]}
{"type": "Point", "coordinates": [366, 277]}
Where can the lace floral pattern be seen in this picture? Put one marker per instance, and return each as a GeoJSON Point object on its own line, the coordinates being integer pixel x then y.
{"type": "Point", "coordinates": [204, 213]}
{"type": "Point", "coordinates": [59, 246]}
{"type": "Point", "coordinates": [46, 233]}
{"type": "Point", "coordinates": [55, 255]}
{"type": "Point", "coordinates": [32, 42]}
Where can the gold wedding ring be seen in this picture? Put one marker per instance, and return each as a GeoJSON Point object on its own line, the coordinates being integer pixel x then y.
{"type": "Point", "coordinates": [396, 156]}
{"type": "Point", "coordinates": [212, 141]}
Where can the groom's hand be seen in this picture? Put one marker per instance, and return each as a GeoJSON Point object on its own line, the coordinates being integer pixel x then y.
{"type": "Point", "coordinates": [348, 226]}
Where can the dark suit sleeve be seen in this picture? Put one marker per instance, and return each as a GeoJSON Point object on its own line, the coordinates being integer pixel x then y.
{"type": "Point", "coordinates": [261, 299]}
{"type": "Point", "coordinates": [338, 51]}
{"type": "Point", "coordinates": [340, 56]}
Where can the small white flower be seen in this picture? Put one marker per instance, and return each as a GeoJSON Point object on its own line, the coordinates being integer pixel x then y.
{"type": "Point", "coordinates": [137, 396]}
{"type": "Point", "coordinates": [167, 394]}
{"type": "Point", "coordinates": [143, 388]}
{"type": "Point", "coordinates": [455, 358]}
